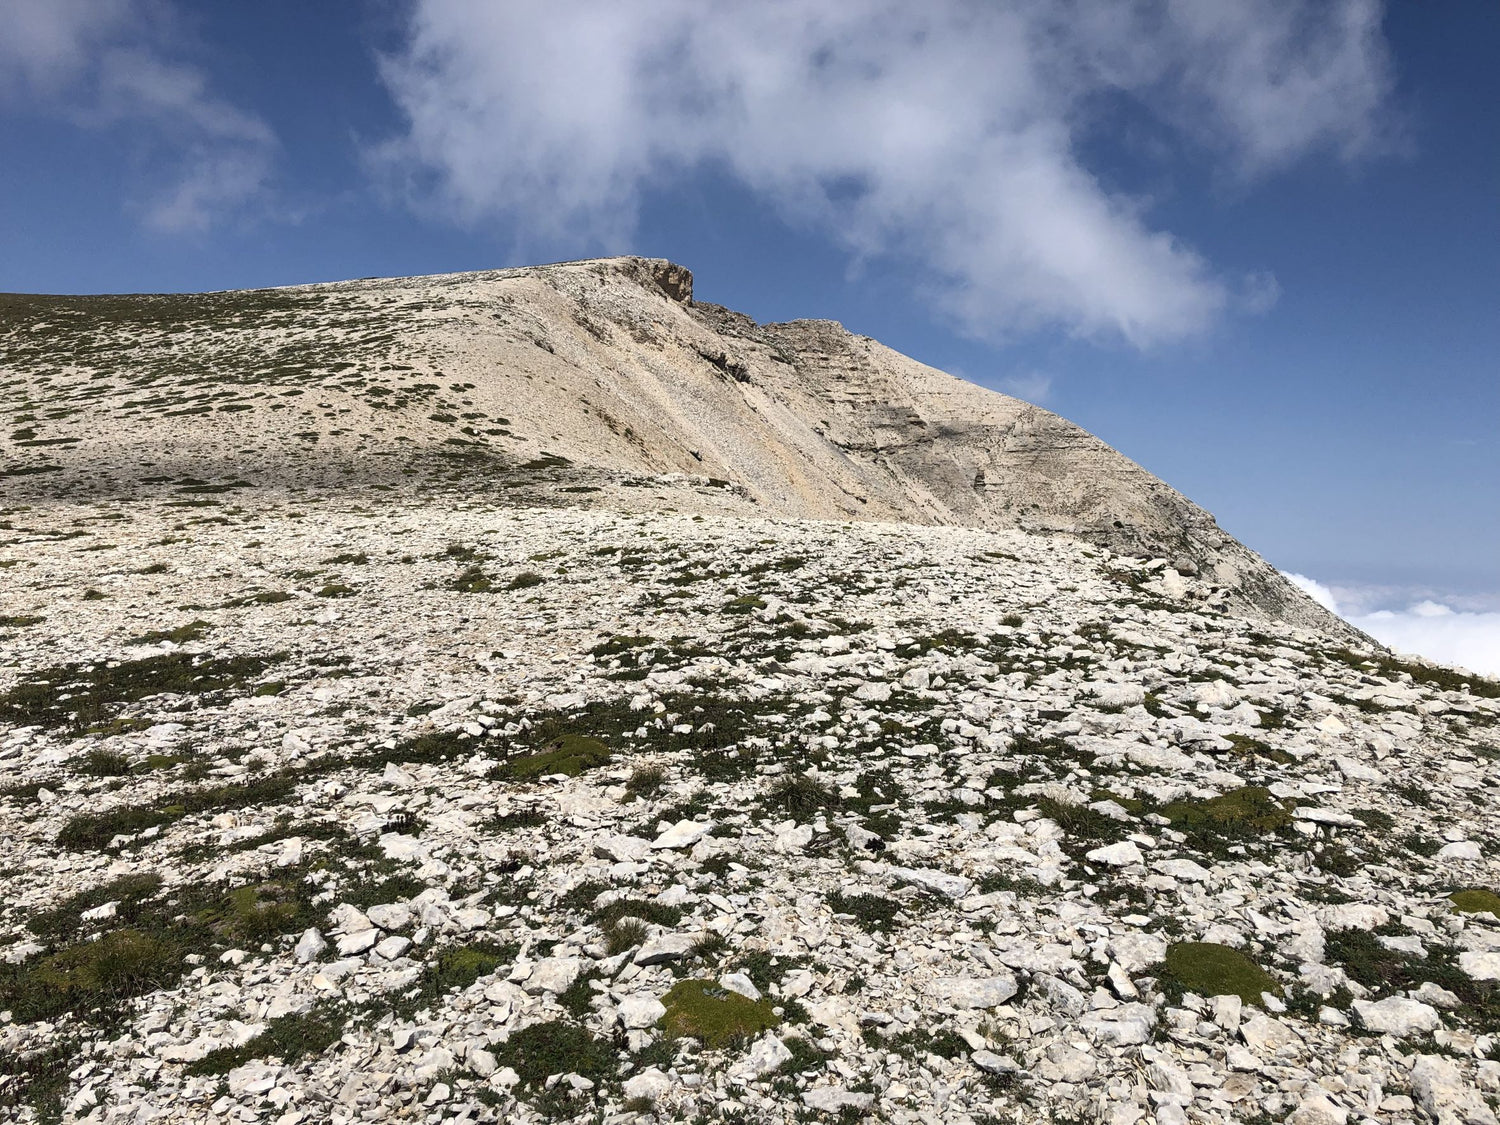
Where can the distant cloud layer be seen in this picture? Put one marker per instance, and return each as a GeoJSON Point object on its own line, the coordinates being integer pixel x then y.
{"type": "Point", "coordinates": [1427, 628]}
{"type": "Point", "coordinates": [104, 64]}
{"type": "Point", "coordinates": [949, 134]}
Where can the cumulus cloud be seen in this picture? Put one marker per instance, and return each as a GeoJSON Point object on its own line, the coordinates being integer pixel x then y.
{"type": "Point", "coordinates": [950, 134]}
{"type": "Point", "coordinates": [104, 64]}
{"type": "Point", "coordinates": [1313, 589]}
{"type": "Point", "coordinates": [1469, 639]}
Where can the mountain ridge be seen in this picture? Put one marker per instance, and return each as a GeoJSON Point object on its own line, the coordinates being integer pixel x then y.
{"type": "Point", "coordinates": [604, 369]}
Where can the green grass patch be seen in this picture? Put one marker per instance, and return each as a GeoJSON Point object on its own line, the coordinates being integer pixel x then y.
{"type": "Point", "coordinates": [289, 1038]}
{"type": "Point", "coordinates": [1476, 902]}
{"type": "Point", "coordinates": [797, 796]}
{"type": "Point", "coordinates": [80, 696]}
{"type": "Point", "coordinates": [716, 1017]}
{"type": "Point", "coordinates": [181, 635]}
{"type": "Point", "coordinates": [572, 754]}
{"type": "Point", "coordinates": [540, 1050]}
{"type": "Point", "coordinates": [1247, 813]}
{"type": "Point", "coordinates": [870, 912]}
{"type": "Point", "coordinates": [94, 831]}
{"type": "Point", "coordinates": [473, 580]}
{"type": "Point", "coordinates": [1210, 969]}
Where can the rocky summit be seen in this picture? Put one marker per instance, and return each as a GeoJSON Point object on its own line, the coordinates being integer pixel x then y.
{"type": "Point", "coordinates": [539, 696]}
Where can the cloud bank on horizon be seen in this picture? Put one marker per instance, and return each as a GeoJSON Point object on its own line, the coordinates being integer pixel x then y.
{"type": "Point", "coordinates": [1427, 628]}
{"type": "Point", "coordinates": [951, 136]}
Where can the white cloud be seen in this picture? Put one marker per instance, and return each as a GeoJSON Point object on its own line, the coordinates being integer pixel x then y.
{"type": "Point", "coordinates": [1469, 639]}
{"type": "Point", "coordinates": [104, 64]}
{"type": "Point", "coordinates": [1313, 589]}
{"type": "Point", "coordinates": [948, 134]}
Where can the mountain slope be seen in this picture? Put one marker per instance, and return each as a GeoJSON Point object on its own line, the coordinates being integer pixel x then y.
{"type": "Point", "coordinates": [583, 382]}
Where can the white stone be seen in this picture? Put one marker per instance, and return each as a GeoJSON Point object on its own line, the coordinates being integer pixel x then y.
{"type": "Point", "coordinates": [1480, 965]}
{"type": "Point", "coordinates": [401, 847]}
{"type": "Point", "coordinates": [1440, 1089]}
{"type": "Point", "coordinates": [359, 942]}
{"type": "Point", "coordinates": [740, 983]}
{"type": "Point", "coordinates": [649, 1084]}
{"type": "Point", "coordinates": [766, 1054]}
{"type": "Point", "coordinates": [1121, 854]}
{"type": "Point", "coordinates": [392, 947]}
{"type": "Point", "coordinates": [622, 849]}
{"type": "Point", "coordinates": [390, 916]}
{"type": "Point", "coordinates": [940, 882]}
{"type": "Point", "coordinates": [1136, 951]}
{"type": "Point", "coordinates": [482, 1061]}
{"type": "Point", "coordinates": [1123, 1026]}
{"type": "Point", "coordinates": [1267, 1036]}
{"type": "Point", "coordinates": [1437, 996]}
{"type": "Point", "coordinates": [1108, 694]}
{"type": "Point", "coordinates": [1066, 1063]}
{"type": "Point", "coordinates": [1318, 1109]}
{"type": "Point", "coordinates": [252, 1078]}
{"type": "Point", "coordinates": [833, 1099]}
{"type": "Point", "coordinates": [683, 834]}
{"type": "Point", "coordinates": [309, 946]}
{"type": "Point", "coordinates": [1352, 916]}
{"type": "Point", "coordinates": [640, 1011]}
{"type": "Point", "coordinates": [1358, 771]}
{"type": "Point", "coordinates": [664, 947]}
{"type": "Point", "coordinates": [553, 974]}
{"type": "Point", "coordinates": [1185, 870]}
{"type": "Point", "coordinates": [1398, 1016]}
{"type": "Point", "coordinates": [1460, 849]}
{"type": "Point", "coordinates": [974, 992]}
{"type": "Point", "coordinates": [348, 919]}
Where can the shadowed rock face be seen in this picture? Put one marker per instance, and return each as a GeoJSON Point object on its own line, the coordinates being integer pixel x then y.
{"type": "Point", "coordinates": [607, 367]}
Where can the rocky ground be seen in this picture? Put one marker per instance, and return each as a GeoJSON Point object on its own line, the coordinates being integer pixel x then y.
{"type": "Point", "coordinates": [360, 808]}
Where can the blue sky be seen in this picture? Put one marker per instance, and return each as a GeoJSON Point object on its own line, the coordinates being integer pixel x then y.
{"type": "Point", "coordinates": [1254, 245]}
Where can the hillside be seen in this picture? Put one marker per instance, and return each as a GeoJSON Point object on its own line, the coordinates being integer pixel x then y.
{"type": "Point", "coordinates": [532, 696]}
{"type": "Point", "coordinates": [582, 383]}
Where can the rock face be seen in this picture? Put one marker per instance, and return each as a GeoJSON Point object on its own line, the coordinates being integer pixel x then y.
{"type": "Point", "coordinates": [606, 371]}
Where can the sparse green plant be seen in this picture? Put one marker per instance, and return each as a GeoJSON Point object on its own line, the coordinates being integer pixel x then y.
{"type": "Point", "coordinates": [100, 762]}
{"type": "Point", "coordinates": [870, 912]}
{"type": "Point", "coordinates": [798, 796]}
{"type": "Point", "coordinates": [645, 781]}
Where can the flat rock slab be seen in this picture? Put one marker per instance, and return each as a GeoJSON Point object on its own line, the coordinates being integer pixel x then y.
{"type": "Point", "coordinates": [973, 992]}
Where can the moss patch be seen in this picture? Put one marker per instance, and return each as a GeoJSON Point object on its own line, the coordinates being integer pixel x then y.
{"type": "Point", "coordinates": [1246, 812]}
{"type": "Point", "coordinates": [715, 1016]}
{"type": "Point", "coordinates": [1476, 902]}
{"type": "Point", "coordinates": [181, 635]}
{"type": "Point", "coordinates": [571, 754]}
{"type": "Point", "coordinates": [1210, 969]}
